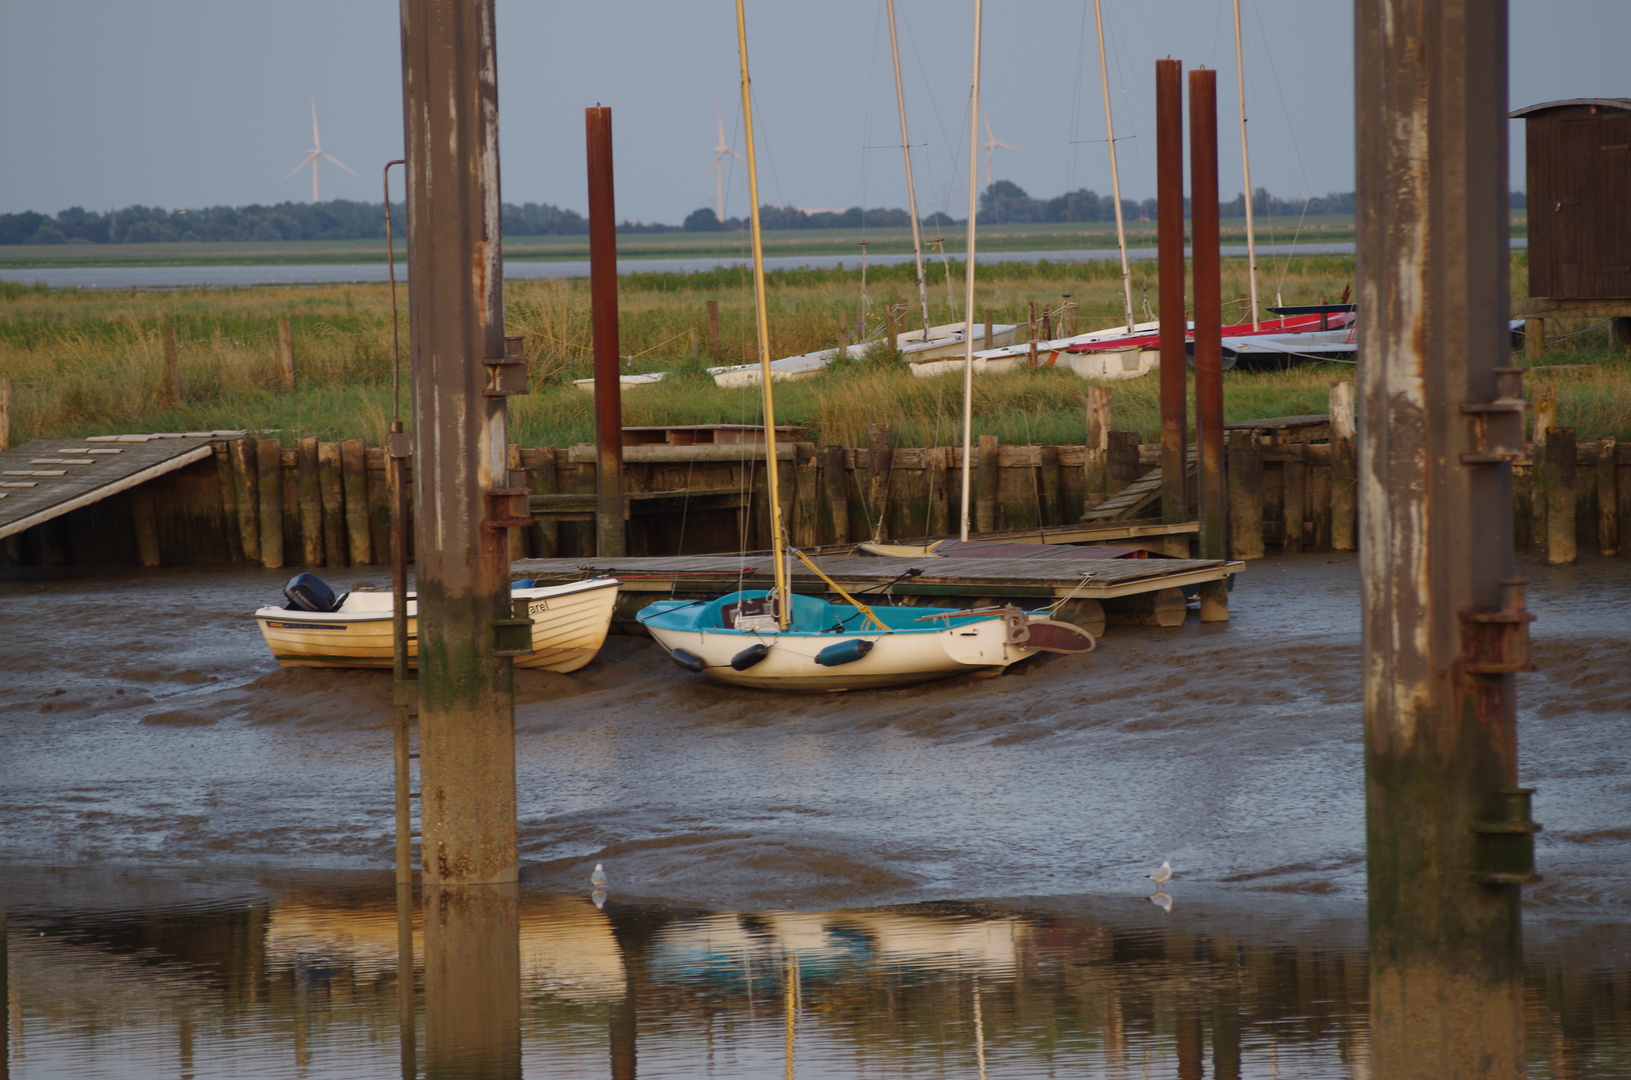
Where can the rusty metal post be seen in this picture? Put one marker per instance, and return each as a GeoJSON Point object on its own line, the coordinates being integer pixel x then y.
{"type": "Point", "coordinates": [597, 124]}
{"type": "Point", "coordinates": [1445, 628]}
{"type": "Point", "coordinates": [463, 499]}
{"type": "Point", "coordinates": [1208, 283]}
{"type": "Point", "coordinates": [1169, 182]}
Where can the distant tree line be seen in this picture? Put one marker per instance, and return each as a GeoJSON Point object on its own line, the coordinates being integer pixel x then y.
{"type": "Point", "coordinates": [341, 219]}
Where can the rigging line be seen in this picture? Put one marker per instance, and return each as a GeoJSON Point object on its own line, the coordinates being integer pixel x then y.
{"type": "Point", "coordinates": [1075, 125]}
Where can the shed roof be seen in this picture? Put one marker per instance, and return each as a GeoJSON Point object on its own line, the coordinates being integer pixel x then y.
{"type": "Point", "coordinates": [1546, 106]}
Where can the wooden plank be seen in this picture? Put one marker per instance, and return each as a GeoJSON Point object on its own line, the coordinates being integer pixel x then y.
{"type": "Point", "coordinates": [269, 464]}
{"type": "Point", "coordinates": [1245, 478]}
{"type": "Point", "coordinates": [354, 482]}
{"type": "Point", "coordinates": [833, 480]}
{"type": "Point", "coordinates": [541, 480]}
{"type": "Point", "coordinates": [331, 486]}
{"type": "Point", "coordinates": [246, 489]}
{"type": "Point", "coordinates": [1296, 502]}
{"type": "Point", "coordinates": [584, 454]}
{"type": "Point", "coordinates": [1562, 468]}
{"type": "Point", "coordinates": [376, 462]}
{"type": "Point", "coordinates": [229, 499]}
{"type": "Point", "coordinates": [138, 461]}
{"type": "Point", "coordinates": [1529, 307]}
{"type": "Point", "coordinates": [1158, 607]}
{"type": "Point", "coordinates": [1608, 507]}
{"type": "Point", "coordinates": [310, 502]}
{"type": "Point", "coordinates": [985, 484]}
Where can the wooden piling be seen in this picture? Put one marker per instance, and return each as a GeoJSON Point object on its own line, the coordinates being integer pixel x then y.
{"type": "Point", "coordinates": [331, 486]}
{"type": "Point", "coordinates": [1296, 499]}
{"type": "Point", "coordinates": [1608, 508]}
{"type": "Point", "coordinates": [1622, 495]}
{"type": "Point", "coordinates": [519, 537]}
{"type": "Point", "coordinates": [1344, 464]}
{"type": "Point", "coordinates": [376, 463]}
{"type": "Point", "coordinates": [1122, 459]}
{"type": "Point", "coordinates": [1562, 468]}
{"type": "Point", "coordinates": [837, 493]}
{"type": "Point", "coordinates": [880, 462]}
{"type": "Point", "coordinates": [985, 485]}
{"type": "Point", "coordinates": [144, 520]}
{"type": "Point", "coordinates": [1534, 340]}
{"type": "Point", "coordinates": [227, 489]}
{"type": "Point", "coordinates": [1318, 509]}
{"type": "Point", "coordinates": [541, 480]}
{"type": "Point", "coordinates": [310, 504]}
{"type": "Point", "coordinates": [5, 413]}
{"type": "Point", "coordinates": [354, 482]}
{"type": "Point", "coordinates": [937, 474]}
{"type": "Point", "coordinates": [1245, 496]}
{"type": "Point", "coordinates": [172, 365]}
{"type": "Point", "coordinates": [713, 327]}
{"type": "Point", "coordinates": [1545, 413]}
{"type": "Point", "coordinates": [269, 464]}
{"type": "Point", "coordinates": [805, 481]}
{"type": "Point", "coordinates": [1095, 475]}
{"type": "Point", "coordinates": [1162, 607]}
{"type": "Point", "coordinates": [246, 485]}
{"type": "Point", "coordinates": [1050, 510]}
{"type": "Point", "coordinates": [1030, 338]}
{"type": "Point", "coordinates": [285, 352]}
{"type": "Point", "coordinates": [988, 335]}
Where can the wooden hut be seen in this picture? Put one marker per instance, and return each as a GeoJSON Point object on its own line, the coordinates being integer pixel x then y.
{"type": "Point", "coordinates": [1579, 166]}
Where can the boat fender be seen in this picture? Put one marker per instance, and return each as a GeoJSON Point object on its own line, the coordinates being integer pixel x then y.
{"type": "Point", "coordinates": [845, 652]}
{"type": "Point", "coordinates": [687, 661]}
{"type": "Point", "coordinates": [750, 656]}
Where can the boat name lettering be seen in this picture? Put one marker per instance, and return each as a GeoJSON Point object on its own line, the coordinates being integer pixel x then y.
{"type": "Point", "coordinates": [537, 607]}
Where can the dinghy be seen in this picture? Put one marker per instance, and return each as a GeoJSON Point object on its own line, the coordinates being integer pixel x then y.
{"type": "Point", "coordinates": [739, 639]}
{"type": "Point", "coordinates": [318, 629]}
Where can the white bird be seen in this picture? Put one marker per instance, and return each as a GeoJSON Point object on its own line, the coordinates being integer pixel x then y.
{"type": "Point", "coordinates": [1163, 875]}
{"type": "Point", "coordinates": [599, 898]}
{"type": "Point", "coordinates": [1161, 899]}
{"type": "Point", "coordinates": [598, 878]}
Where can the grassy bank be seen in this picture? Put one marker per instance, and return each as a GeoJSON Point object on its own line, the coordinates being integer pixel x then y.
{"type": "Point", "coordinates": [91, 362]}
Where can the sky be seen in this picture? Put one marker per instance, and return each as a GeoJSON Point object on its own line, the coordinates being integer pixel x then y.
{"type": "Point", "coordinates": [191, 103]}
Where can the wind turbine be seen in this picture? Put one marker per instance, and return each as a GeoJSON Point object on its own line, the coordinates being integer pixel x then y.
{"type": "Point", "coordinates": [722, 151]}
{"type": "Point", "coordinates": [316, 152]}
{"type": "Point", "coordinates": [991, 146]}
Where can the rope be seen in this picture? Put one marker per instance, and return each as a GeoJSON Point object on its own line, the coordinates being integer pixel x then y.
{"type": "Point", "coordinates": [839, 589]}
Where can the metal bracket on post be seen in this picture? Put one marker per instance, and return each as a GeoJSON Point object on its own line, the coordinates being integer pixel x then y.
{"type": "Point", "coordinates": [1496, 642]}
{"type": "Point", "coordinates": [1506, 848]}
{"type": "Point", "coordinates": [1508, 404]}
{"type": "Point", "coordinates": [507, 507]}
{"type": "Point", "coordinates": [513, 636]}
{"type": "Point", "coordinates": [507, 374]}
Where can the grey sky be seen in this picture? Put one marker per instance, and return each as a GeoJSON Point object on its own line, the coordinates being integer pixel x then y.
{"type": "Point", "coordinates": [185, 103]}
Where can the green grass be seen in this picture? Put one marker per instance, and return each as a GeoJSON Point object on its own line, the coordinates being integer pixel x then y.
{"type": "Point", "coordinates": [91, 362]}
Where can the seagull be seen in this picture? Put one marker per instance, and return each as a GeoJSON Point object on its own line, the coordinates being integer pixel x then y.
{"type": "Point", "coordinates": [1163, 875]}
{"type": "Point", "coordinates": [1161, 899]}
{"type": "Point", "coordinates": [598, 878]}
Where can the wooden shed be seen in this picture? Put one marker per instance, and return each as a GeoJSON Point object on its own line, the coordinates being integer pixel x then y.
{"type": "Point", "coordinates": [1579, 182]}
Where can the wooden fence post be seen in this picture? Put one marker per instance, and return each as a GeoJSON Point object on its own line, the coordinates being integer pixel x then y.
{"type": "Point", "coordinates": [269, 463]}
{"type": "Point", "coordinates": [5, 414]}
{"type": "Point", "coordinates": [1561, 471]}
{"type": "Point", "coordinates": [354, 481]}
{"type": "Point", "coordinates": [985, 485]}
{"type": "Point", "coordinates": [285, 351]}
{"type": "Point", "coordinates": [172, 365]}
{"type": "Point", "coordinates": [713, 327]}
{"type": "Point", "coordinates": [332, 488]}
{"type": "Point", "coordinates": [1344, 476]}
{"type": "Point", "coordinates": [1608, 505]}
{"type": "Point", "coordinates": [1534, 342]}
{"type": "Point", "coordinates": [1245, 496]}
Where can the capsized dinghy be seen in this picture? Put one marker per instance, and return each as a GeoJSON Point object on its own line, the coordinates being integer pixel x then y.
{"type": "Point", "coordinates": [736, 639]}
{"type": "Point", "coordinates": [318, 629]}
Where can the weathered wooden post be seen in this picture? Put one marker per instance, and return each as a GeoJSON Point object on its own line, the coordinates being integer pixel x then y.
{"type": "Point", "coordinates": [1203, 201]}
{"type": "Point", "coordinates": [1095, 465]}
{"type": "Point", "coordinates": [172, 365]}
{"type": "Point", "coordinates": [1245, 496]}
{"type": "Point", "coordinates": [713, 327]}
{"type": "Point", "coordinates": [1344, 494]}
{"type": "Point", "coordinates": [1608, 506]}
{"type": "Point", "coordinates": [609, 536]}
{"type": "Point", "coordinates": [1562, 469]}
{"type": "Point", "coordinates": [285, 351]}
{"type": "Point", "coordinates": [880, 446]}
{"type": "Point", "coordinates": [269, 463]}
{"type": "Point", "coordinates": [1169, 173]}
{"type": "Point", "coordinates": [5, 413]}
{"type": "Point", "coordinates": [1545, 413]}
{"type": "Point", "coordinates": [1445, 626]}
{"type": "Point", "coordinates": [987, 344]}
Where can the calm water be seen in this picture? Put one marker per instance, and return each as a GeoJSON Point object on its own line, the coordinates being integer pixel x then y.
{"type": "Point", "coordinates": [138, 974]}
{"type": "Point", "coordinates": [172, 277]}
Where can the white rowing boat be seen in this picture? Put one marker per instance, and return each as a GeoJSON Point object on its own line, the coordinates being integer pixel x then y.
{"type": "Point", "coordinates": [737, 639]}
{"type": "Point", "coordinates": [914, 346]}
{"type": "Point", "coordinates": [569, 625]}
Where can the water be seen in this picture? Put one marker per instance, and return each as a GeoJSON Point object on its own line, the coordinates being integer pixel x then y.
{"type": "Point", "coordinates": [193, 845]}
{"type": "Point", "coordinates": [175, 277]}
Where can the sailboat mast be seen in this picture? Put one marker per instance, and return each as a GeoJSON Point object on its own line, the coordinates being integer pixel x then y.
{"type": "Point", "coordinates": [968, 274]}
{"type": "Point", "coordinates": [1246, 169]}
{"type": "Point", "coordinates": [784, 602]}
{"type": "Point", "coordinates": [1115, 173]}
{"type": "Point", "coordinates": [911, 189]}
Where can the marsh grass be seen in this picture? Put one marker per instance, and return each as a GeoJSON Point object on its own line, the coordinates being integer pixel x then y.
{"type": "Point", "coordinates": [91, 362]}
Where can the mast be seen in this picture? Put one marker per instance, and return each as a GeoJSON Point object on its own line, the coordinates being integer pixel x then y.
{"type": "Point", "coordinates": [1115, 174]}
{"type": "Point", "coordinates": [783, 599]}
{"type": "Point", "coordinates": [1246, 169]}
{"type": "Point", "coordinates": [968, 273]}
{"type": "Point", "coordinates": [911, 189]}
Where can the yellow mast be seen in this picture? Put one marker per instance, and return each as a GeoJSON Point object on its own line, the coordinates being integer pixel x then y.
{"type": "Point", "coordinates": [784, 600]}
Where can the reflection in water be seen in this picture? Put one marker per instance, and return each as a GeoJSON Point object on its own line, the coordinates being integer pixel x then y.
{"type": "Point", "coordinates": [301, 981]}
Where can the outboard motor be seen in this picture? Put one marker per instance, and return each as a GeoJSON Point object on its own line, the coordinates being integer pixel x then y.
{"type": "Point", "coordinates": [308, 592]}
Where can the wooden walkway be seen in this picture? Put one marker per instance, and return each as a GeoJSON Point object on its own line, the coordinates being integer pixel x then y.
{"type": "Point", "coordinates": [46, 478]}
{"type": "Point", "coordinates": [1039, 578]}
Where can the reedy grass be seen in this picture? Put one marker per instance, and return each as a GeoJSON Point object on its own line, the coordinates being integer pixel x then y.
{"type": "Point", "coordinates": [91, 362]}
